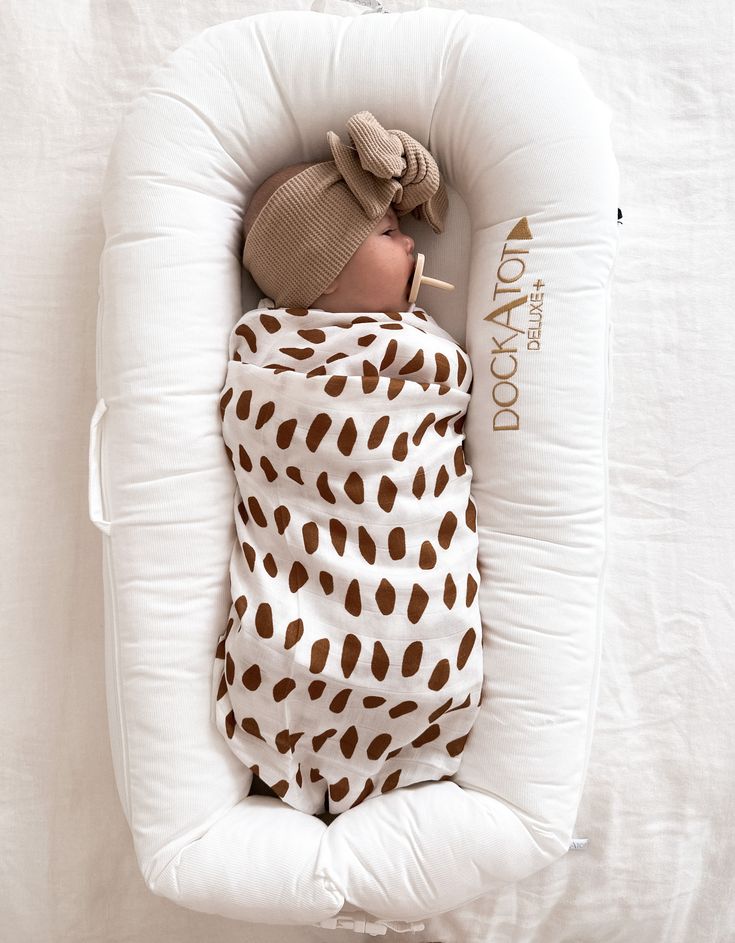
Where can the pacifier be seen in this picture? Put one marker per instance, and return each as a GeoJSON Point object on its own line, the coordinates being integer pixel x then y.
{"type": "Point", "coordinates": [420, 279]}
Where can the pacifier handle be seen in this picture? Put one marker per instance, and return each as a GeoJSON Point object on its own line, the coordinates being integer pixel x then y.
{"type": "Point", "coordinates": [420, 279]}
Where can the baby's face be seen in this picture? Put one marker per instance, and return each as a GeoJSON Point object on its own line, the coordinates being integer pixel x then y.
{"type": "Point", "coordinates": [377, 277]}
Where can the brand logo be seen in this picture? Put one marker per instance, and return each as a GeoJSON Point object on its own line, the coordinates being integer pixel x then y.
{"type": "Point", "coordinates": [510, 321]}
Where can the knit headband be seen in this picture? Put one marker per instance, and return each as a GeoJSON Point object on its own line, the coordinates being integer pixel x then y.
{"type": "Point", "coordinates": [313, 223]}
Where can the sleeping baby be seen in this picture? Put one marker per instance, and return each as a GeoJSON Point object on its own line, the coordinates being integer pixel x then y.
{"type": "Point", "coordinates": [351, 663]}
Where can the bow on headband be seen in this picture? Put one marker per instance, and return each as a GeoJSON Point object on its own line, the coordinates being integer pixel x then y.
{"type": "Point", "coordinates": [379, 156]}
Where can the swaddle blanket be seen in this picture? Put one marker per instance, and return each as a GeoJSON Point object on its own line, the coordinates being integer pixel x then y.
{"type": "Point", "coordinates": [351, 663]}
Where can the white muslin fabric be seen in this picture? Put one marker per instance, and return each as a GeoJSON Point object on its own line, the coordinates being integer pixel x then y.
{"type": "Point", "coordinates": [351, 663]}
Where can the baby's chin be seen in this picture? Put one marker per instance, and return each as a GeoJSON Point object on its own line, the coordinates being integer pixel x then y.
{"type": "Point", "coordinates": [365, 303]}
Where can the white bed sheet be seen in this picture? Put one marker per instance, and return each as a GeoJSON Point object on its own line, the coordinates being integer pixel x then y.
{"type": "Point", "coordinates": [658, 807]}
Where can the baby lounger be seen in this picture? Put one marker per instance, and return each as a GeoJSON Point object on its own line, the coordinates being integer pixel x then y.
{"type": "Point", "coordinates": [530, 242]}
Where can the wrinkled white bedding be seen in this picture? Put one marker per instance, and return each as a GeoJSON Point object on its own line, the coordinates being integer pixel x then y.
{"type": "Point", "coordinates": [657, 805]}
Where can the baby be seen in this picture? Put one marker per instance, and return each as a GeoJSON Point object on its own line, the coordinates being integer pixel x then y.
{"type": "Point", "coordinates": [351, 663]}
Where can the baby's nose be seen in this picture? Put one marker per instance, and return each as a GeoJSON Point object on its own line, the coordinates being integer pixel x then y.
{"type": "Point", "coordinates": [410, 243]}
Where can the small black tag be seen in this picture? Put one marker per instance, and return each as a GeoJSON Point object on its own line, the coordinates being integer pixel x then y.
{"type": "Point", "coordinates": [620, 216]}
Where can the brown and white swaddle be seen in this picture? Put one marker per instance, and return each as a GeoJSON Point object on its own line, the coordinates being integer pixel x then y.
{"type": "Point", "coordinates": [351, 663]}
